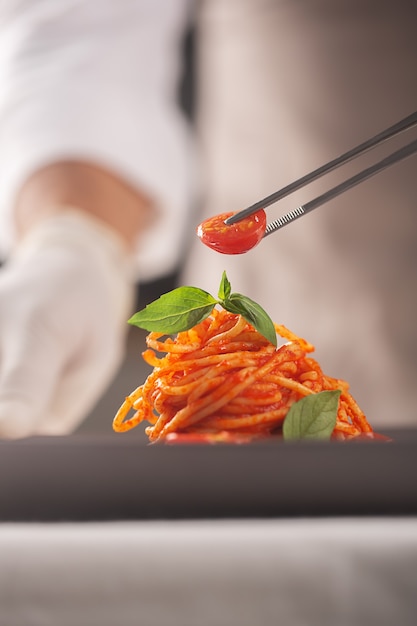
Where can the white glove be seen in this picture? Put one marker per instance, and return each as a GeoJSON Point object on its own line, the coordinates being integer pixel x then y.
{"type": "Point", "coordinates": [65, 297]}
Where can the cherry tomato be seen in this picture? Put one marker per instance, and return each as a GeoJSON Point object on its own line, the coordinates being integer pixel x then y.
{"type": "Point", "coordinates": [234, 238]}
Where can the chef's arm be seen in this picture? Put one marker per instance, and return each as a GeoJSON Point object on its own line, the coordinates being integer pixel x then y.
{"type": "Point", "coordinates": [90, 188]}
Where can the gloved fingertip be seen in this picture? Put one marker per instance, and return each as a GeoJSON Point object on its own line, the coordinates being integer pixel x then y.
{"type": "Point", "coordinates": [16, 420]}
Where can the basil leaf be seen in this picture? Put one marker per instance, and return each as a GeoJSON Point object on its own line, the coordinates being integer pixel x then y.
{"type": "Point", "coordinates": [312, 417]}
{"type": "Point", "coordinates": [184, 307]}
{"type": "Point", "coordinates": [253, 313]}
{"type": "Point", "coordinates": [225, 287]}
{"type": "Point", "coordinates": [175, 311]}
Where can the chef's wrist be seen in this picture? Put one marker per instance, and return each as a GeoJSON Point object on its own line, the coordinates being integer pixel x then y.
{"type": "Point", "coordinates": [93, 190]}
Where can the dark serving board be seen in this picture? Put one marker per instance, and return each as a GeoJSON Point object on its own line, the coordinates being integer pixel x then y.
{"type": "Point", "coordinates": [116, 478]}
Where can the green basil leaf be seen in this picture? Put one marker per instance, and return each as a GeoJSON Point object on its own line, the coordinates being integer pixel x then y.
{"type": "Point", "coordinates": [312, 417]}
{"type": "Point", "coordinates": [175, 311]}
{"type": "Point", "coordinates": [253, 313]}
{"type": "Point", "coordinates": [225, 287]}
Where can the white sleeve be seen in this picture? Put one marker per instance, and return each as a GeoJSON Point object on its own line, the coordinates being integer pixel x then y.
{"type": "Point", "coordinates": [97, 81]}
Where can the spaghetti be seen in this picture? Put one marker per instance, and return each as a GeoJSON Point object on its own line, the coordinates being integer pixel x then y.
{"type": "Point", "coordinates": [222, 380]}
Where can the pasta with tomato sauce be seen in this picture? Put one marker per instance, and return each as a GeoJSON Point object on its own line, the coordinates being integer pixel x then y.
{"type": "Point", "coordinates": [223, 381]}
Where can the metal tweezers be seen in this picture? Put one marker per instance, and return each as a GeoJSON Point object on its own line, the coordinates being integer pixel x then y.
{"type": "Point", "coordinates": [395, 157]}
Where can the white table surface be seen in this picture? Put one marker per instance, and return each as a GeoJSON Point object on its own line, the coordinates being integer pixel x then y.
{"type": "Point", "coordinates": [294, 572]}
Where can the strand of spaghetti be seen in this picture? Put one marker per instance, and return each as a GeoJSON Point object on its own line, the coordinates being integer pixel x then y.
{"type": "Point", "coordinates": [217, 373]}
{"type": "Point", "coordinates": [309, 376]}
{"type": "Point", "coordinates": [151, 359]}
{"type": "Point", "coordinates": [252, 337]}
{"type": "Point", "coordinates": [289, 368]}
{"type": "Point", "coordinates": [335, 383]}
{"type": "Point", "coordinates": [201, 389]}
{"type": "Point", "coordinates": [229, 348]}
{"type": "Point", "coordinates": [185, 390]}
{"type": "Point", "coordinates": [195, 387]}
{"type": "Point", "coordinates": [214, 323]}
{"type": "Point", "coordinates": [196, 374]}
{"type": "Point", "coordinates": [344, 413]}
{"type": "Point", "coordinates": [205, 388]}
{"type": "Point", "coordinates": [309, 364]}
{"type": "Point", "coordinates": [285, 333]}
{"type": "Point", "coordinates": [121, 424]}
{"type": "Point", "coordinates": [125, 408]}
{"type": "Point", "coordinates": [163, 403]}
{"type": "Point", "coordinates": [232, 332]}
{"type": "Point", "coordinates": [235, 423]}
{"type": "Point", "coordinates": [358, 417]}
{"type": "Point", "coordinates": [289, 383]}
{"type": "Point", "coordinates": [213, 359]}
{"type": "Point", "coordinates": [249, 402]}
{"type": "Point", "coordinates": [170, 346]}
{"type": "Point", "coordinates": [237, 406]}
{"type": "Point", "coordinates": [346, 429]}
{"type": "Point", "coordinates": [145, 415]}
{"type": "Point", "coordinates": [163, 418]}
{"type": "Point", "coordinates": [141, 414]}
{"type": "Point", "coordinates": [160, 404]}
{"type": "Point", "coordinates": [228, 390]}
{"type": "Point", "coordinates": [164, 378]}
{"type": "Point", "coordinates": [232, 346]}
{"type": "Point", "coordinates": [261, 388]}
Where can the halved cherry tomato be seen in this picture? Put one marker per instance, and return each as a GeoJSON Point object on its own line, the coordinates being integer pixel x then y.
{"type": "Point", "coordinates": [234, 238]}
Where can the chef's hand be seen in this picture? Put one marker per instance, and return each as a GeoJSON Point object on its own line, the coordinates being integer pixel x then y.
{"type": "Point", "coordinates": [65, 296]}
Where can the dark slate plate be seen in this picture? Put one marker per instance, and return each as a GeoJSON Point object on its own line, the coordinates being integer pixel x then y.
{"type": "Point", "coordinates": [116, 478]}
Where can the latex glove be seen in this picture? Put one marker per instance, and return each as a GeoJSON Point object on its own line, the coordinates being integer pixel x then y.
{"type": "Point", "coordinates": [65, 297]}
